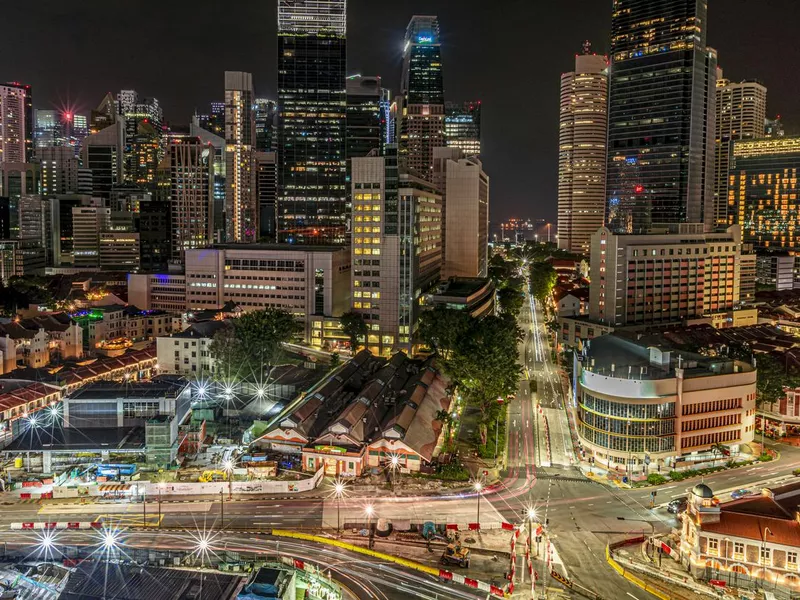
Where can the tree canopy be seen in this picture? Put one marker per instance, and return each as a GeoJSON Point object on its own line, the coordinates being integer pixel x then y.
{"type": "Point", "coordinates": [441, 327]}
{"type": "Point", "coordinates": [355, 328]}
{"type": "Point", "coordinates": [253, 341]}
{"type": "Point", "coordinates": [543, 280]}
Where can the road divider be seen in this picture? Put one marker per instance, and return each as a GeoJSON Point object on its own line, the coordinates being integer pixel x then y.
{"type": "Point", "coordinates": [38, 525]}
{"type": "Point", "coordinates": [410, 564]}
{"type": "Point", "coordinates": [627, 574]}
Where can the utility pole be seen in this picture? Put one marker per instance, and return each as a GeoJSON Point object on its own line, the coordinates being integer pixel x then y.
{"type": "Point", "coordinates": [221, 509]}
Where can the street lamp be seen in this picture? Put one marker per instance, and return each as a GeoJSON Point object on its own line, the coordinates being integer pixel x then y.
{"type": "Point", "coordinates": [369, 510]}
{"type": "Point", "coordinates": [763, 560]}
{"type": "Point", "coordinates": [227, 466]}
{"type": "Point", "coordinates": [478, 485]}
{"type": "Point", "coordinates": [394, 461]}
{"type": "Point", "coordinates": [338, 491]}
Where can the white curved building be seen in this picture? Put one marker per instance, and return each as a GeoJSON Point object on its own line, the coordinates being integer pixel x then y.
{"type": "Point", "coordinates": [642, 406]}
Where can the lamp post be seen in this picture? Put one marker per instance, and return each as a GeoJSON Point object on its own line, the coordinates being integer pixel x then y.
{"type": "Point", "coordinates": [160, 487]}
{"type": "Point", "coordinates": [338, 492]}
{"type": "Point", "coordinates": [227, 466]}
{"type": "Point", "coordinates": [478, 487]}
{"type": "Point", "coordinates": [369, 510]}
{"type": "Point", "coordinates": [221, 509]}
{"type": "Point", "coordinates": [763, 560]}
{"type": "Point", "coordinates": [394, 462]}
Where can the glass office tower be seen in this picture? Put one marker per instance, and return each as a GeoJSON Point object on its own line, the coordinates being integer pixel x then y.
{"type": "Point", "coordinates": [661, 116]}
{"type": "Point", "coordinates": [312, 206]}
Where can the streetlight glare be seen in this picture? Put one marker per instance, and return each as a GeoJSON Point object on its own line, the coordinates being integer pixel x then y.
{"type": "Point", "coordinates": [531, 514]}
{"type": "Point", "coordinates": [369, 509]}
{"type": "Point", "coordinates": [478, 486]}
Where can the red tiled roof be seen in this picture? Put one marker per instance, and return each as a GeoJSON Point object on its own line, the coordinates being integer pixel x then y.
{"type": "Point", "coordinates": [21, 396]}
{"type": "Point", "coordinates": [784, 531]}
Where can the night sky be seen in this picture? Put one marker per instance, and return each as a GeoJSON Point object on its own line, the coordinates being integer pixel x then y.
{"type": "Point", "coordinates": [507, 53]}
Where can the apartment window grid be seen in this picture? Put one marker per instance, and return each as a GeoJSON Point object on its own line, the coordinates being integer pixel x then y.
{"type": "Point", "coordinates": [709, 439]}
{"type": "Point", "coordinates": [712, 406]}
{"type": "Point", "coordinates": [712, 422]}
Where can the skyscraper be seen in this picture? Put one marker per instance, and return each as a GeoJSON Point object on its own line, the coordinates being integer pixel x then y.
{"type": "Point", "coordinates": [266, 115]}
{"type": "Point", "coordinates": [191, 195]}
{"type": "Point", "coordinates": [365, 126]}
{"type": "Point", "coordinates": [142, 119]}
{"type": "Point", "coordinates": [582, 151]}
{"type": "Point", "coordinates": [462, 126]}
{"type": "Point", "coordinates": [312, 52]}
{"type": "Point", "coordinates": [741, 113]}
{"type": "Point", "coordinates": [661, 115]}
{"type": "Point", "coordinates": [59, 170]}
{"type": "Point", "coordinates": [422, 90]}
{"type": "Point", "coordinates": [16, 123]}
{"type": "Point", "coordinates": [266, 189]}
{"type": "Point", "coordinates": [240, 212]}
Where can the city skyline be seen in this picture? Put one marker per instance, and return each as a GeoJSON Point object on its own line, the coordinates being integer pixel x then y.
{"type": "Point", "coordinates": [375, 48]}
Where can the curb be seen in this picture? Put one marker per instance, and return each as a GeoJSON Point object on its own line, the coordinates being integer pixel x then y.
{"type": "Point", "coordinates": [633, 578]}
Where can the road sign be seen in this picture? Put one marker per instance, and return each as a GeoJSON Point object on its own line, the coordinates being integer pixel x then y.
{"type": "Point", "coordinates": [561, 579]}
{"type": "Point", "coordinates": [647, 459]}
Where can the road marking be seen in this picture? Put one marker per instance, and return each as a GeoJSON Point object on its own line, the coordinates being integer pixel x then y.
{"type": "Point", "coordinates": [632, 596]}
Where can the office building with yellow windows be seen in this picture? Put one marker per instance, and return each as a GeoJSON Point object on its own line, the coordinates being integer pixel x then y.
{"type": "Point", "coordinates": [396, 249]}
{"type": "Point", "coordinates": [763, 191]}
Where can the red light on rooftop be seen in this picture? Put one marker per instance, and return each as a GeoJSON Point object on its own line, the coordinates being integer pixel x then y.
{"type": "Point", "coordinates": [639, 189]}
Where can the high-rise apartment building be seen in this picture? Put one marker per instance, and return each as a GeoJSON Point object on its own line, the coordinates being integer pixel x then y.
{"type": "Point", "coordinates": [312, 51]}
{"type": "Point", "coordinates": [396, 249]}
{"type": "Point", "coordinates": [190, 195]}
{"type": "Point", "coordinates": [741, 113]}
{"type": "Point", "coordinates": [661, 116]}
{"type": "Point", "coordinates": [763, 191]}
{"type": "Point", "coordinates": [773, 127]}
{"type": "Point", "coordinates": [462, 126]}
{"type": "Point", "coordinates": [48, 130]}
{"type": "Point", "coordinates": [16, 123]}
{"type": "Point", "coordinates": [219, 169]}
{"type": "Point", "coordinates": [422, 91]}
{"type": "Point", "coordinates": [465, 213]}
{"type": "Point", "coordinates": [60, 169]}
{"type": "Point", "coordinates": [663, 278]}
{"type": "Point", "coordinates": [240, 210]}
{"type": "Point", "coordinates": [582, 151]}
{"type": "Point", "coordinates": [213, 121]}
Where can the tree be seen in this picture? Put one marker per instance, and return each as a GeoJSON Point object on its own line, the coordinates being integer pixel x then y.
{"type": "Point", "coordinates": [485, 364]}
{"type": "Point", "coordinates": [255, 340]}
{"type": "Point", "coordinates": [354, 327]}
{"type": "Point", "coordinates": [22, 291]}
{"type": "Point", "coordinates": [543, 280]}
{"type": "Point", "coordinates": [510, 300]}
{"type": "Point", "coordinates": [441, 327]}
{"type": "Point", "coordinates": [446, 419]}
{"type": "Point", "coordinates": [770, 380]}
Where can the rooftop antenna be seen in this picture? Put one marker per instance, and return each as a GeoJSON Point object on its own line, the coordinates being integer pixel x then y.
{"type": "Point", "coordinates": [587, 47]}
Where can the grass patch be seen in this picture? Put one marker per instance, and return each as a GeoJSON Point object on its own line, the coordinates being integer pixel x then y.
{"type": "Point", "coordinates": [656, 479]}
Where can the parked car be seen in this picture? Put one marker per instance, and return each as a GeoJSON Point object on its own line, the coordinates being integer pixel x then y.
{"type": "Point", "coordinates": [678, 505]}
{"type": "Point", "coordinates": [736, 494]}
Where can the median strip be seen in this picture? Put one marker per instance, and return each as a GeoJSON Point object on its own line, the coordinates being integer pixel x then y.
{"type": "Point", "coordinates": [441, 573]}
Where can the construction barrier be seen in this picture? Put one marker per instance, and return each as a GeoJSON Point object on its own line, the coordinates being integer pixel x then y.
{"type": "Point", "coordinates": [35, 526]}
{"type": "Point", "coordinates": [629, 576]}
{"type": "Point", "coordinates": [441, 573]}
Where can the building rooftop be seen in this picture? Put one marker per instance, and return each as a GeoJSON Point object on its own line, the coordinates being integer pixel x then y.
{"type": "Point", "coordinates": [280, 247]}
{"type": "Point", "coordinates": [93, 580]}
{"type": "Point", "coordinates": [636, 356]}
{"type": "Point", "coordinates": [75, 439]}
{"type": "Point", "coordinates": [463, 286]}
{"type": "Point", "coordinates": [162, 387]}
{"type": "Point", "coordinates": [203, 329]}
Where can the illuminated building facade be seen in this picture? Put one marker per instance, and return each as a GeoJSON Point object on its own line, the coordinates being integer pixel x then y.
{"type": "Point", "coordinates": [396, 250]}
{"type": "Point", "coordinates": [583, 127]}
{"type": "Point", "coordinates": [661, 110]}
{"type": "Point", "coordinates": [265, 118]}
{"type": "Point", "coordinates": [366, 123]}
{"type": "Point", "coordinates": [663, 278]}
{"type": "Point", "coordinates": [240, 212]}
{"type": "Point", "coordinates": [191, 195]}
{"type": "Point", "coordinates": [142, 124]}
{"type": "Point", "coordinates": [16, 123]}
{"type": "Point", "coordinates": [763, 191]}
{"type": "Point", "coordinates": [741, 113]}
{"type": "Point", "coordinates": [422, 126]}
{"type": "Point", "coordinates": [60, 169]}
{"type": "Point", "coordinates": [312, 103]}
{"type": "Point", "coordinates": [643, 405]}
{"type": "Point", "coordinates": [462, 127]}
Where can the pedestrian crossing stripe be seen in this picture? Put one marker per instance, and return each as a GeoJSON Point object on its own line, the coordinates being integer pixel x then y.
{"type": "Point", "coordinates": [130, 520]}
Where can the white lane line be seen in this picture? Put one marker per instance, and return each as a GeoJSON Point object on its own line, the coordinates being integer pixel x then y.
{"type": "Point", "coordinates": [632, 596]}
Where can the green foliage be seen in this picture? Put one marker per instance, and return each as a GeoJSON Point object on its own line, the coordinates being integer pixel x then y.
{"type": "Point", "coordinates": [543, 280]}
{"type": "Point", "coordinates": [441, 327]}
{"type": "Point", "coordinates": [355, 328]}
{"type": "Point", "coordinates": [656, 479]}
{"type": "Point", "coordinates": [765, 457]}
{"type": "Point", "coordinates": [22, 291]}
{"type": "Point", "coordinates": [510, 300]}
{"type": "Point", "coordinates": [772, 377]}
{"type": "Point", "coordinates": [484, 363]}
{"type": "Point", "coordinates": [253, 341]}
